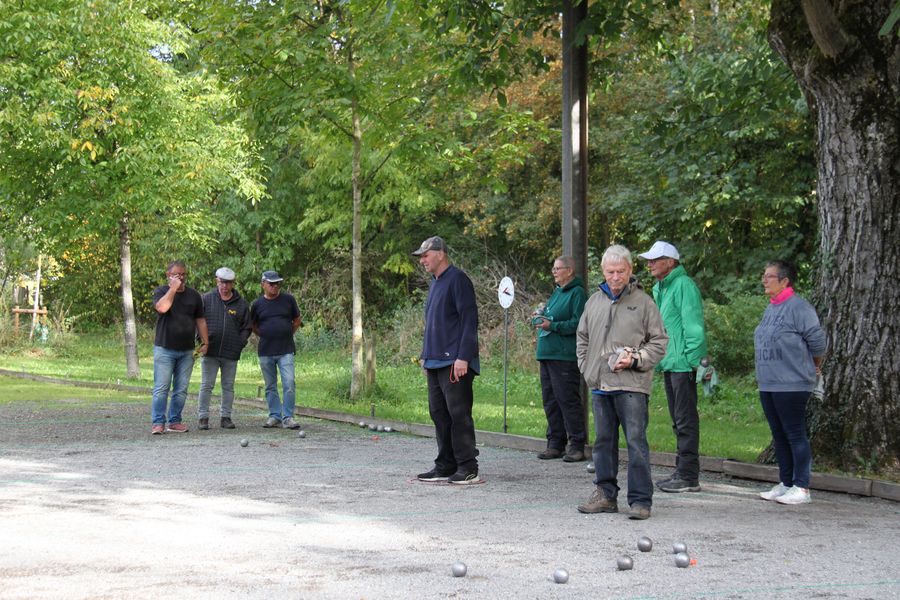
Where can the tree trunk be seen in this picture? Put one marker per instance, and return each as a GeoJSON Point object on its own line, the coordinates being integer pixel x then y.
{"type": "Point", "coordinates": [358, 363]}
{"type": "Point", "coordinates": [851, 81]}
{"type": "Point", "coordinates": [131, 353]}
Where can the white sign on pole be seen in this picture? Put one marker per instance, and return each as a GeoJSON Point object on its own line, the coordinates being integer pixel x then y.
{"type": "Point", "coordinates": [506, 292]}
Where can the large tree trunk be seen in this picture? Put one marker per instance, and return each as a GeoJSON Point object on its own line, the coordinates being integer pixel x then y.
{"type": "Point", "coordinates": [131, 353]}
{"type": "Point", "coordinates": [851, 80]}
{"type": "Point", "coordinates": [358, 379]}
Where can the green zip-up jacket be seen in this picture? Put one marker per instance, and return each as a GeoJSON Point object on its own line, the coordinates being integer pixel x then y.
{"type": "Point", "coordinates": [564, 310]}
{"type": "Point", "coordinates": [681, 308]}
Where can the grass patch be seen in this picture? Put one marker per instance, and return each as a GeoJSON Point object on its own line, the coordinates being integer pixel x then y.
{"type": "Point", "coordinates": [731, 424]}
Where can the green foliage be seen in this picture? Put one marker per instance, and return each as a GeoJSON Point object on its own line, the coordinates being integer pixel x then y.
{"type": "Point", "coordinates": [709, 147]}
{"type": "Point", "coordinates": [729, 332]}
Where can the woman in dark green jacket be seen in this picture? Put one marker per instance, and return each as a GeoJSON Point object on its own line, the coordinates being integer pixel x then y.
{"type": "Point", "coordinates": [556, 324]}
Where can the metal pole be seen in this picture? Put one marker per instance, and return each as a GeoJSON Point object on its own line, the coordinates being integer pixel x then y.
{"type": "Point", "coordinates": [505, 360]}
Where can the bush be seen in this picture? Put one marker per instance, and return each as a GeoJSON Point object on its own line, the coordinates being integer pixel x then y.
{"type": "Point", "coordinates": [729, 332]}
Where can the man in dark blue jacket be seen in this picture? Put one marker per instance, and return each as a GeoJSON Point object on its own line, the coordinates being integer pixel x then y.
{"type": "Point", "coordinates": [228, 321]}
{"type": "Point", "coordinates": [450, 359]}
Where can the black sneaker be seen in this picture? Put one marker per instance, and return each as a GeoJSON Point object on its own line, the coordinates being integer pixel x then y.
{"type": "Point", "coordinates": [226, 423]}
{"type": "Point", "coordinates": [464, 478]}
{"type": "Point", "coordinates": [550, 454]}
{"type": "Point", "coordinates": [677, 485]}
{"type": "Point", "coordinates": [659, 482]}
{"type": "Point", "coordinates": [203, 424]}
{"type": "Point", "coordinates": [432, 475]}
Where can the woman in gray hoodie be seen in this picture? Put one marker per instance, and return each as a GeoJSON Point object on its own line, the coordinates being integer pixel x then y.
{"type": "Point", "coordinates": [790, 345]}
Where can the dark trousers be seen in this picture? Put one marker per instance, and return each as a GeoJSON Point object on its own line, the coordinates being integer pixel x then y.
{"type": "Point", "coordinates": [450, 405]}
{"type": "Point", "coordinates": [681, 391]}
{"type": "Point", "coordinates": [630, 410]}
{"type": "Point", "coordinates": [786, 414]}
{"type": "Point", "coordinates": [561, 392]}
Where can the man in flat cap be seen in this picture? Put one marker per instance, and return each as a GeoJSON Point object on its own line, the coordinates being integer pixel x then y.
{"type": "Point", "coordinates": [450, 359]}
{"type": "Point", "coordinates": [228, 322]}
{"type": "Point", "coordinates": [275, 317]}
{"type": "Point", "coordinates": [681, 306]}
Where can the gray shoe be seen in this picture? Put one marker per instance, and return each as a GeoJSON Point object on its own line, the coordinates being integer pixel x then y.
{"type": "Point", "coordinates": [599, 503]}
{"type": "Point", "coordinates": [677, 485]}
{"type": "Point", "coordinates": [203, 424]}
{"type": "Point", "coordinates": [290, 423]}
{"type": "Point", "coordinates": [226, 423]}
{"type": "Point", "coordinates": [272, 422]}
{"type": "Point", "coordinates": [639, 512]}
{"type": "Point", "coordinates": [659, 482]}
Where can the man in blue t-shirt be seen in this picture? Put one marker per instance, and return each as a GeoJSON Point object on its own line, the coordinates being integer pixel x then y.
{"type": "Point", "coordinates": [450, 359]}
{"type": "Point", "coordinates": [275, 317]}
{"type": "Point", "coordinates": [179, 321]}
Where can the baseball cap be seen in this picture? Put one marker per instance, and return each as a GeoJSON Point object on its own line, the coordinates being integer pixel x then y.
{"type": "Point", "coordinates": [225, 274]}
{"type": "Point", "coordinates": [659, 250]}
{"type": "Point", "coordinates": [432, 243]}
{"type": "Point", "coordinates": [272, 276]}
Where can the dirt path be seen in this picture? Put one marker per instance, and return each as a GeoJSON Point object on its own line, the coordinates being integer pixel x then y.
{"type": "Point", "coordinates": [92, 506]}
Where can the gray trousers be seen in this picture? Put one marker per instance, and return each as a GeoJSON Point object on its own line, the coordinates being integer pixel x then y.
{"type": "Point", "coordinates": [681, 391]}
{"type": "Point", "coordinates": [209, 368]}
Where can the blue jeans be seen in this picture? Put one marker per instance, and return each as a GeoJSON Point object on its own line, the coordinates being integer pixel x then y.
{"type": "Point", "coordinates": [630, 410]}
{"type": "Point", "coordinates": [786, 413]}
{"type": "Point", "coordinates": [209, 368]}
{"type": "Point", "coordinates": [170, 368]}
{"type": "Point", "coordinates": [284, 364]}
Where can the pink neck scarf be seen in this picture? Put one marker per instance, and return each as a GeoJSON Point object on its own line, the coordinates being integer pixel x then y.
{"type": "Point", "coordinates": [782, 295]}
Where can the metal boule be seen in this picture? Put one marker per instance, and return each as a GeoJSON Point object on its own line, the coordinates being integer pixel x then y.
{"type": "Point", "coordinates": [645, 544]}
{"type": "Point", "coordinates": [560, 576]}
{"type": "Point", "coordinates": [682, 560]}
{"type": "Point", "coordinates": [458, 569]}
{"type": "Point", "coordinates": [625, 563]}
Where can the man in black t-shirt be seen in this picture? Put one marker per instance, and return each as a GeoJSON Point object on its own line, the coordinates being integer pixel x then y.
{"type": "Point", "coordinates": [179, 321]}
{"type": "Point", "coordinates": [275, 317]}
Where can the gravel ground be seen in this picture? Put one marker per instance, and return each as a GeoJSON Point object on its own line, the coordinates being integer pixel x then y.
{"type": "Point", "coordinates": [93, 506]}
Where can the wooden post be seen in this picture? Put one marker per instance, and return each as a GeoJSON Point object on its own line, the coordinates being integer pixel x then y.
{"type": "Point", "coordinates": [37, 299]}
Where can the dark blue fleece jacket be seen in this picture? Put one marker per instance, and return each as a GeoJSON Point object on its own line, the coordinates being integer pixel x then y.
{"type": "Point", "coordinates": [451, 320]}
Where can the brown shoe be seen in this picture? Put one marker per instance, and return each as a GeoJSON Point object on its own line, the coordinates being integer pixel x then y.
{"type": "Point", "coordinates": [574, 453]}
{"type": "Point", "coordinates": [226, 423]}
{"type": "Point", "coordinates": [550, 454]}
{"type": "Point", "coordinates": [639, 512]}
{"type": "Point", "coordinates": [598, 503]}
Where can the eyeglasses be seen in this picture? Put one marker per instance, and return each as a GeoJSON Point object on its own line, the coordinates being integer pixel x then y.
{"type": "Point", "coordinates": [178, 275]}
{"type": "Point", "coordinates": [276, 283]}
{"type": "Point", "coordinates": [767, 276]}
{"type": "Point", "coordinates": [555, 269]}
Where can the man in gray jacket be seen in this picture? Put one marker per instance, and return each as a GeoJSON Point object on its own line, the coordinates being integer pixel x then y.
{"type": "Point", "coordinates": [228, 321]}
{"type": "Point", "coordinates": [620, 339]}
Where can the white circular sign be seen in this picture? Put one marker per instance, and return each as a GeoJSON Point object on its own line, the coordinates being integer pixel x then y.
{"type": "Point", "coordinates": [506, 292]}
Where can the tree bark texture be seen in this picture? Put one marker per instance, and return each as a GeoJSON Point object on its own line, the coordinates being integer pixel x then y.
{"type": "Point", "coordinates": [132, 365]}
{"type": "Point", "coordinates": [357, 362]}
{"type": "Point", "coordinates": [854, 95]}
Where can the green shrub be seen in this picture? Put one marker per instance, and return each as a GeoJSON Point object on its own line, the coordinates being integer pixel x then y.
{"type": "Point", "coordinates": [729, 332]}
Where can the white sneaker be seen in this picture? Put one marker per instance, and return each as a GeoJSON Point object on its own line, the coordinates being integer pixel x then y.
{"type": "Point", "coordinates": [794, 495]}
{"type": "Point", "coordinates": [775, 492]}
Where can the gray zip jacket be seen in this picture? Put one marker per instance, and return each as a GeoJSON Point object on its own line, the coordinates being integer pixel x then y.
{"type": "Point", "coordinates": [631, 321]}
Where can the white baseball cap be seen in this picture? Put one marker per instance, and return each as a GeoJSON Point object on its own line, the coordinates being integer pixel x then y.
{"type": "Point", "coordinates": [659, 250]}
{"type": "Point", "coordinates": [225, 274]}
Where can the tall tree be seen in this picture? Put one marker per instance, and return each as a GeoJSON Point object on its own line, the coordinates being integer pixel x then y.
{"type": "Point", "coordinates": [850, 76]}
{"type": "Point", "coordinates": [353, 92]}
{"type": "Point", "coordinates": [104, 132]}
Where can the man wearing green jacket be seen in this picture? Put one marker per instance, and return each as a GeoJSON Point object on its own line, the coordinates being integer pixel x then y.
{"type": "Point", "coordinates": [681, 307]}
{"type": "Point", "coordinates": [560, 378]}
